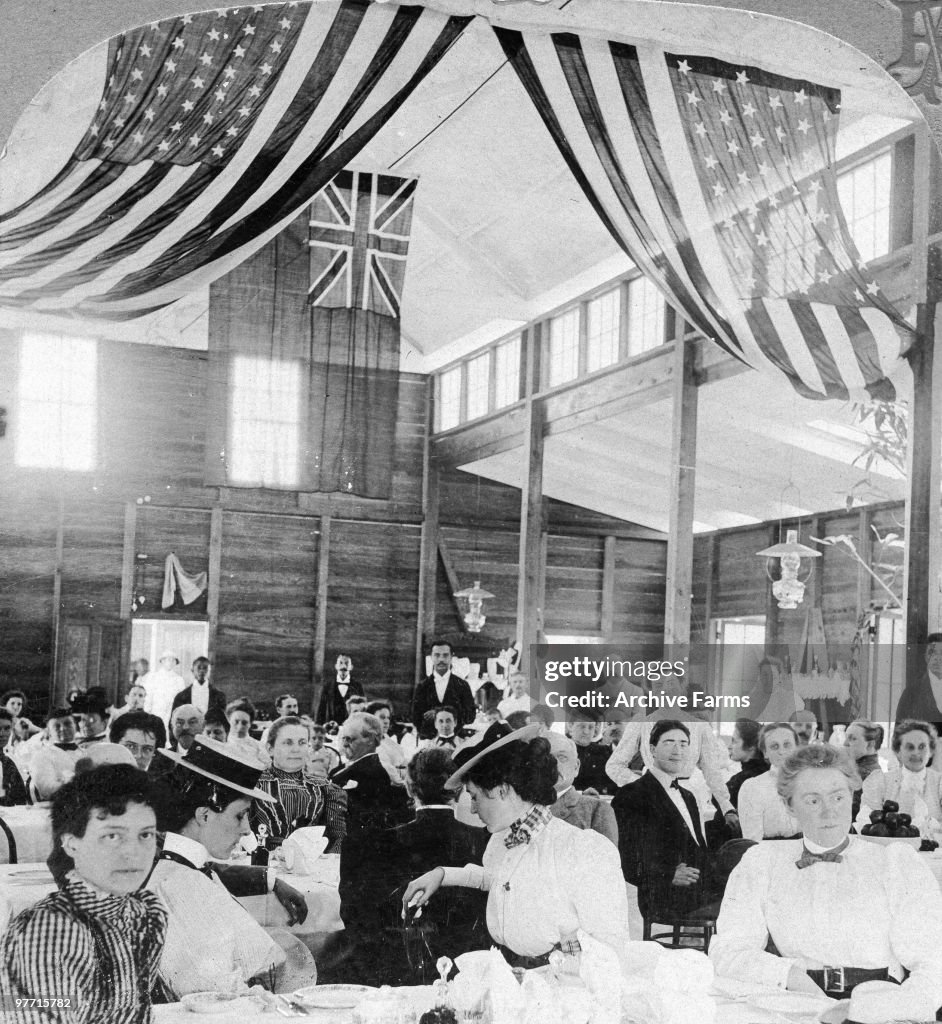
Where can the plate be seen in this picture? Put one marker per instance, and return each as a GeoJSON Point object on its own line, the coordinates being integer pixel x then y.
{"type": "Point", "coordinates": [333, 997]}
{"type": "Point", "coordinates": [221, 1002]}
{"type": "Point", "coordinates": [797, 1003]}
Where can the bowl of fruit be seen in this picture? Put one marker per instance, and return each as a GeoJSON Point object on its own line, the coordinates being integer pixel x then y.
{"type": "Point", "coordinates": [891, 825]}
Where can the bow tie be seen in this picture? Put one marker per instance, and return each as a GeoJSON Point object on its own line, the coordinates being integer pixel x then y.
{"type": "Point", "coordinates": [834, 856]}
{"type": "Point", "coordinates": [445, 741]}
{"type": "Point", "coordinates": [675, 784]}
{"type": "Point", "coordinates": [66, 746]}
{"type": "Point", "coordinates": [519, 835]}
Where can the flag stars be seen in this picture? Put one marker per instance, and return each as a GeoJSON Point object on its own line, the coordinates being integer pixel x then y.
{"type": "Point", "coordinates": [136, 75]}
{"type": "Point", "coordinates": [814, 187]}
{"type": "Point", "coordinates": [232, 130]}
{"type": "Point", "coordinates": [176, 126]}
{"type": "Point", "coordinates": [873, 289]}
{"type": "Point", "coordinates": [719, 86]}
{"type": "Point", "coordinates": [170, 65]}
{"type": "Point", "coordinates": [710, 162]}
{"type": "Point", "coordinates": [757, 141]}
{"type": "Point", "coordinates": [163, 146]}
{"type": "Point", "coordinates": [244, 111]}
{"type": "Point", "coordinates": [742, 78]}
{"type": "Point", "coordinates": [206, 60]}
{"type": "Point", "coordinates": [764, 169]}
{"type": "Point", "coordinates": [150, 114]}
{"type": "Point", "coordinates": [220, 95]}
{"type": "Point", "coordinates": [229, 73]}
{"type": "Point", "coordinates": [748, 110]}
{"type": "Point", "coordinates": [775, 102]}
{"type": "Point", "coordinates": [275, 46]}
{"type": "Point", "coordinates": [266, 69]}
{"type": "Point", "coordinates": [208, 118]}
{"type": "Point", "coordinates": [285, 24]}
{"type": "Point", "coordinates": [195, 140]}
{"type": "Point", "coordinates": [780, 133]}
{"type": "Point", "coordinates": [255, 91]}
{"type": "Point", "coordinates": [700, 129]}
{"type": "Point", "coordinates": [725, 117]}
{"type": "Point", "coordinates": [249, 30]}
{"type": "Point", "coordinates": [178, 43]}
{"type": "Point", "coordinates": [162, 91]}
{"type": "Point", "coordinates": [801, 97]}
{"type": "Point", "coordinates": [138, 137]}
{"type": "Point", "coordinates": [145, 50]}
{"type": "Point", "coordinates": [218, 151]}
{"type": "Point", "coordinates": [762, 239]}
{"type": "Point", "coordinates": [804, 126]}
{"type": "Point", "coordinates": [239, 52]}
{"type": "Point", "coordinates": [693, 99]}
{"type": "Point", "coordinates": [188, 105]}
{"type": "Point", "coordinates": [718, 190]}
{"type": "Point", "coordinates": [732, 147]}
{"type": "Point", "coordinates": [214, 35]}
{"type": "Point", "coordinates": [858, 295]}
{"type": "Point", "coordinates": [743, 178]}
{"type": "Point", "coordinates": [108, 143]}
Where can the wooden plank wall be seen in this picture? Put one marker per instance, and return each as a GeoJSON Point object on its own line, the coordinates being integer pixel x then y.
{"type": "Point", "coordinates": [151, 437]}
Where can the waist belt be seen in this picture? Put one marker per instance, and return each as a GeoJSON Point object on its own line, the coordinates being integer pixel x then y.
{"type": "Point", "coordinates": [840, 981]}
{"type": "Point", "coordinates": [530, 963]}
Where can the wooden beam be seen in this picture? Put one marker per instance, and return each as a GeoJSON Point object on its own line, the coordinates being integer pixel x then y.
{"type": "Point", "coordinates": [608, 588]}
{"type": "Point", "coordinates": [127, 560]}
{"type": "Point", "coordinates": [428, 544]}
{"type": "Point", "coordinates": [214, 578]}
{"type": "Point", "coordinates": [679, 575]}
{"type": "Point", "coordinates": [529, 610]}
{"type": "Point", "coordinates": [320, 611]}
{"type": "Point", "coordinates": [57, 599]}
{"type": "Point", "coordinates": [712, 573]}
{"type": "Point", "coordinates": [865, 550]}
{"type": "Point", "coordinates": [922, 508]}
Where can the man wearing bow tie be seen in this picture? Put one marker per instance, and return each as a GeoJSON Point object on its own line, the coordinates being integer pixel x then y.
{"type": "Point", "coordinates": [445, 720]}
{"type": "Point", "coordinates": [332, 705]}
{"type": "Point", "coordinates": [441, 689]}
{"type": "Point", "coordinates": [662, 847]}
{"type": "Point", "coordinates": [53, 764]}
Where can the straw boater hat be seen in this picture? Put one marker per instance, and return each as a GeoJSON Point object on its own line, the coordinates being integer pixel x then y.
{"type": "Point", "coordinates": [218, 762]}
{"type": "Point", "coordinates": [496, 736]}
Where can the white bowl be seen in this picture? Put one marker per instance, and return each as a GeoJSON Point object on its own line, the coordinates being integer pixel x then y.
{"type": "Point", "coordinates": [915, 842]}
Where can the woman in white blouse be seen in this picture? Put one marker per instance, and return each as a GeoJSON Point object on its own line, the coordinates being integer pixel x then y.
{"type": "Point", "coordinates": [762, 812]}
{"type": "Point", "coordinates": [912, 784]}
{"type": "Point", "coordinates": [839, 910]}
{"type": "Point", "coordinates": [545, 880]}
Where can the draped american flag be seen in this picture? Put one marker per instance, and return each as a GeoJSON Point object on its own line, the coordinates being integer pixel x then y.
{"type": "Point", "coordinates": [213, 131]}
{"type": "Point", "coordinates": [719, 180]}
{"type": "Point", "coordinates": [359, 240]}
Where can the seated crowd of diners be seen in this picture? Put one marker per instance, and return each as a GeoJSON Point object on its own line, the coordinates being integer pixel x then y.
{"type": "Point", "coordinates": [457, 835]}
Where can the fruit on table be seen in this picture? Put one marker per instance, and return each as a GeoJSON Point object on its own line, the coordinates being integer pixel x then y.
{"type": "Point", "coordinates": [890, 823]}
{"type": "Point", "coordinates": [439, 1015]}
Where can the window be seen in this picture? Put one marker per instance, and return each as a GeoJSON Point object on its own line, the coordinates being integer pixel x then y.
{"type": "Point", "coordinates": [865, 192]}
{"type": "Point", "coordinates": [449, 399]}
{"type": "Point", "coordinates": [507, 373]}
{"type": "Point", "coordinates": [603, 320]}
{"type": "Point", "coordinates": [479, 378]}
{"type": "Point", "coordinates": [645, 316]}
{"type": "Point", "coordinates": [792, 250]}
{"type": "Point", "coordinates": [56, 411]}
{"type": "Point", "coordinates": [266, 422]}
{"type": "Point", "coordinates": [564, 347]}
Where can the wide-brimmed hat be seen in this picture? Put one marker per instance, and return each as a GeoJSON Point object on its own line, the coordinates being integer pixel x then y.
{"type": "Point", "coordinates": [879, 1002]}
{"type": "Point", "coordinates": [90, 704]}
{"type": "Point", "coordinates": [497, 735]}
{"type": "Point", "coordinates": [223, 764]}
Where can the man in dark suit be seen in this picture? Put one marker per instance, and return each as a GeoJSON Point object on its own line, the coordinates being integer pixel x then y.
{"type": "Point", "coordinates": [663, 851]}
{"type": "Point", "coordinates": [332, 706]}
{"type": "Point", "coordinates": [374, 806]}
{"type": "Point", "coordinates": [199, 693]}
{"type": "Point", "coordinates": [922, 699]}
{"type": "Point", "coordinates": [442, 688]}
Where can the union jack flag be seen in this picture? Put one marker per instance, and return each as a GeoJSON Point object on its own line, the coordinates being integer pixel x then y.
{"type": "Point", "coordinates": [359, 240]}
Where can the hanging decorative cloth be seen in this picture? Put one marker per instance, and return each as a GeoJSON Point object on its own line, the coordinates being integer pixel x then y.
{"type": "Point", "coordinates": [175, 578]}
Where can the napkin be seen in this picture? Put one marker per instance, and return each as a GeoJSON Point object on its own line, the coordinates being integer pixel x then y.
{"type": "Point", "coordinates": [303, 847]}
{"type": "Point", "coordinates": [667, 986]}
{"type": "Point", "coordinates": [600, 970]}
{"type": "Point", "coordinates": [485, 976]}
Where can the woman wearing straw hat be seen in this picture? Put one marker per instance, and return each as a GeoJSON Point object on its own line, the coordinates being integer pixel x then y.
{"type": "Point", "coordinates": [545, 879]}
{"type": "Point", "coordinates": [213, 943]}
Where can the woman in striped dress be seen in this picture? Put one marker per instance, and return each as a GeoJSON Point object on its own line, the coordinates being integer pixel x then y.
{"type": "Point", "coordinates": [300, 798]}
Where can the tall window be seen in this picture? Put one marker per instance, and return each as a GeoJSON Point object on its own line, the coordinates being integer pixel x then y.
{"type": "Point", "coordinates": [56, 413]}
{"type": "Point", "coordinates": [507, 373]}
{"type": "Point", "coordinates": [449, 398]}
{"type": "Point", "coordinates": [645, 316]}
{"type": "Point", "coordinates": [479, 378]}
{"type": "Point", "coordinates": [564, 347]}
{"type": "Point", "coordinates": [266, 422]}
{"type": "Point", "coordinates": [865, 192]}
{"type": "Point", "coordinates": [603, 319]}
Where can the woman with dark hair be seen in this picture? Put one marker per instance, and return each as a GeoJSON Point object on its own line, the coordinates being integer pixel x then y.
{"type": "Point", "coordinates": [745, 750]}
{"type": "Point", "coordinates": [300, 798]}
{"type": "Point", "coordinates": [862, 740]}
{"type": "Point", "coordinates": [545, 879]}
{"type": "Point", "coordinates": [213, 943]}
{"type": "Point", "coordinates": [98, 939]}
{"type": "Point", "coordinates": [390, 753]}
{"type": "Point", "coordinates": [762, 812]}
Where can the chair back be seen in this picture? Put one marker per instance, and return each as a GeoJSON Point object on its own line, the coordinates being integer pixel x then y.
{"type": "Point", "coordinates": [11, 841]}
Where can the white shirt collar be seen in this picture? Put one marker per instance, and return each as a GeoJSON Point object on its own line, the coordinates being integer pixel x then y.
{"type": "Point", "coordinates": [663, 777]}
{"type": "Point", "coordinates": [563, 792]}
{"type": "Point", "coordinates": [196, 682]}
{"type": "Point", "coordinates": [190, 849]}
{"type": "Point", "coordinates": [817, 848]}
{"type": "Point", "coordinates": [436, 807]}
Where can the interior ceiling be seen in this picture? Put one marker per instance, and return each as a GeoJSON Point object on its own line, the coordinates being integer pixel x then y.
{"type": "Point", "coordinates": [501, 234]}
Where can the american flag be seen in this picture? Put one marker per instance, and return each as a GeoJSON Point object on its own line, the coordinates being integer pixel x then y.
{"type": "Point", "coordinates": [213, 131]}
{"type": "Point", "coordinates": [719, 180]}
{"type": "Point", "coordinates": [359, 240]}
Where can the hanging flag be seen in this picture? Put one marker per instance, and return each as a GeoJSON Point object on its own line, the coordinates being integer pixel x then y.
{"type": "Point", "coordinates": [719, 181]}
{"type": "Point", "coordinates": [359, 238]}
{"type": "Point", "coordinates": [213, 131]}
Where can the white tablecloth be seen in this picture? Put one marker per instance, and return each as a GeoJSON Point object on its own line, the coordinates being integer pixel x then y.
{"type": "Point", "coordinates": [32, 832]}
{"type": "Point", "coordinates": [728, 1011]}
{"type": "Point", "coordinates": [22, 885]}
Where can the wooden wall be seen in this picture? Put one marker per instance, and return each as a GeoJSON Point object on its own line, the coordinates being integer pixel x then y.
{"type": "Point", "coordinates": [70, 541]}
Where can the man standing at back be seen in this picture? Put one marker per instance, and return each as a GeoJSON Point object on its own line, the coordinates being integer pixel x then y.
{"type": "Point", "coordinates": [199, 693]}
{"type": "Point", "coordinates": [442, 688]}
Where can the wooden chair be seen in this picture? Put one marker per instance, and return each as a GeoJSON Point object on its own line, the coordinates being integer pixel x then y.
{"type": "Point", "coordinates": [690, 931]}
{"type": "Point", "coordinates": [11, 841]}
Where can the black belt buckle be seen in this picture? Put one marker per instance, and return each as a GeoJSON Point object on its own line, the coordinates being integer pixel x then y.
{"type": "Point", "coordinates": [835, 979]}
